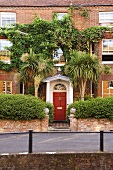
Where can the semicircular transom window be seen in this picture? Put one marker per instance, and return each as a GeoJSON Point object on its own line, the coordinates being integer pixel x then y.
{"type": "Point", "coordinates": [59, 87]}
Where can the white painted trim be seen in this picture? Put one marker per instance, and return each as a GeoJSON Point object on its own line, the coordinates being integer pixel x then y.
{"type": "Point", "coordinates": [23, 89]}
{"type": "Point", "coordinates": [52, 81]}
{"type": "Point", "coordinates": [56, 77]}
{"type": "Point", "coordinates": [48, 92]}
{"type": "Point", "coordinates": [59, 64]}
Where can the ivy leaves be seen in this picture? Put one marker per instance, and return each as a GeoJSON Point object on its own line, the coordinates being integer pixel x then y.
{"type": "Point", "coordinates": [46, 36]}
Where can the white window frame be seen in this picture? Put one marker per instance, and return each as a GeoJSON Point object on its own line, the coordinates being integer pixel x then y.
{"type": "Point", "coordinates": [107, 52]}
{"type": "Point", "coordinates": [60, 53]}
{"type": "Point", "coordinates": [109, 91]}
{"type": "Point", "coordinates": [60, 15]}
{"type": "Point", "coordinates": [3, 51]}
{"type": "Point", "coordinates": [106, 19]}
{"type": "Point", "coordinates": [109, 84]}
{"type": "Point", "coordinates": [9, 16]}
{"type": "Point", "coordinates": [5, 84]}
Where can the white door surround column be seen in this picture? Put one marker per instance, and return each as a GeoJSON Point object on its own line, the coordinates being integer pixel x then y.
{"type": "Point", "coordinates": [51, 81]}
{"type": "Point", "coordinates": [71, 93]}
{"type": "Point", "coordinates": [48, 92]}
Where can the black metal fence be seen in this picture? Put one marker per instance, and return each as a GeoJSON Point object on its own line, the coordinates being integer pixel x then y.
{"type": "Point", "coordinates": [30, 137]}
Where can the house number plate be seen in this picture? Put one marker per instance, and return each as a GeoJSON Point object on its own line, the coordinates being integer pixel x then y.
{"type": "Point", "coordinates": [59, 107]}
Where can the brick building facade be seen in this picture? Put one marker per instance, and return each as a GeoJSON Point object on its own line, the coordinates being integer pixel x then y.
{"type": "Point", "coordinates": [99, 13]}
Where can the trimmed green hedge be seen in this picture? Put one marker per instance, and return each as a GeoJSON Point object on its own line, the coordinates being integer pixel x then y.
{"type": "Point", "coordinates": [21, 107]}
{"type": "Point", "coordinates": [97, 108]}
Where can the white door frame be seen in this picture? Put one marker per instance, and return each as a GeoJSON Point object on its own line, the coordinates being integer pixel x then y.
{"type": "Point", "coordinates": [52, 81]}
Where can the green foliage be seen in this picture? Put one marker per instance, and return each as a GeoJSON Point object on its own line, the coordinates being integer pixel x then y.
{"type": "Point", "coordinates": [97, 108]}
{"type": "Point", "coordinates": [95, 33]}
{"type": "Point", "coordinates": [4, 66]}
{"type": "Point", "coordinates": [107, 69]}
{"type": "Point", "coordinates": [21, 107]}
{"type": "Point", "coordinates": [31, 90]}
{"type": "Point", "coordinates": [84, 13]}
{"type": "Point", "coordinates": [88, 97]}
{"type": "Point", "coordinates": [65, 35]}
{"type": "Point", "coordinates": [81, 68]}
{"type": "Point", "coordinates": [46, 36]}
{"type": "Point", "coordinates": [35, 68]}
{"type": "Point", "coordinates": [51, 111]}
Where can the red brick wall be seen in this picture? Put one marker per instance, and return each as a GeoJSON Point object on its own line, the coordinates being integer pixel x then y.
{"type": "Point", "coordinates": [57, 161]}
{"type": "Point", "coordinates": [90, 124]}
{"type": "Point", "coordinates": [104, 77]}
{"type": "Point", "coordinates": [24, 125]}
{"type": "Point", "coordinates": [11, 76]}
{"type": "Point", "coordinates": [27, 14]}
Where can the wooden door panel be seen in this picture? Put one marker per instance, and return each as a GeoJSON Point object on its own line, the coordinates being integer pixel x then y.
{"type": "Point", "coordinates": [59, 101]}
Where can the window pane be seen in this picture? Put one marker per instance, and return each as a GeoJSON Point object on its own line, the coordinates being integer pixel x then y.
{"type": "Point", "coordinates": [8, 87]}
{"type": "Point", "coordinates": [4, 87]}
{"type": "Point", "coordinates": [7, 18]}
{"type": "Point", "coordinates": [107, 57]}
{"type": "Point", "coordinates": [61, 15]}
{"type": "Point", "coordinates": [57, 54]}
{"type": "Point", "coordinates": [108, 46]}
{"type": "Point", "coordinates": [4, 44]}
{"type": "Point", "coordinates": [105, 45]}
{"type": "Point", "coordinates": [105, 17]}
{"type": "Point", "coordinates": [59, 87]}
{"type": "Point", "coordinates": [1, 87]}
{"type": "Point", "coordinates": [4, 53]}
{"type": "Point", "coordinates": [111, 45]}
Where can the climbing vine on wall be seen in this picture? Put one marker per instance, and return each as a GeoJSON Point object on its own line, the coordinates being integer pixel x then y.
{"type": "Point", "coordinates": [46, 36]}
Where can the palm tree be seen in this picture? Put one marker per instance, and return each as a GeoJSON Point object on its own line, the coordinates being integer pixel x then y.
{"type": "Point", "coordinates": [81, 68]}
{"type": "Point", "coordinates": [34, 69]}
{"type": "Point", "coordinates": [45, 67]}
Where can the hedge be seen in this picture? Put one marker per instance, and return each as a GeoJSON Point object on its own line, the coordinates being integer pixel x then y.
{"type": "Point", "coordinates": [21, 107]}
{"type": "Point", "coordinates": [97, 108]}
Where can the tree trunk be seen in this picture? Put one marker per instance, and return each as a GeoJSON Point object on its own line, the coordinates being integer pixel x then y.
{"type": "Point", "coordinates": [36, 90]}
{"type": "Point", "coordinates": [82, 89]}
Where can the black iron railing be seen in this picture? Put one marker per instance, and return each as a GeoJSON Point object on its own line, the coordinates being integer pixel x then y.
{"type": "Point", "coordinates": [31, 132]}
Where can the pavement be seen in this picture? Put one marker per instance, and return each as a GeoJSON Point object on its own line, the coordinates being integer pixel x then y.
{"type": "Point", "coordinates": [55, 142]}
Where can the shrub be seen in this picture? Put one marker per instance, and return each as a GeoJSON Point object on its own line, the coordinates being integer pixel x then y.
{"type": "Point", "coordinates": [97, 108]}
{"type": "Point", "coordinates": [21, 107]}
{"type": "Point", "coordinates": [51, 111]}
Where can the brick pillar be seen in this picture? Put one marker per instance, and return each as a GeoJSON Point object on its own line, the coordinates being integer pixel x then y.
{"type": "Point", "coordinates": [44, 123]}
{"type": "Point", "coordinates": [73, 123]}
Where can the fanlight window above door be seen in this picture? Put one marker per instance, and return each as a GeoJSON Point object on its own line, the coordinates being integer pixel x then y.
{"type": "Point", "coordinates": [59, 87]}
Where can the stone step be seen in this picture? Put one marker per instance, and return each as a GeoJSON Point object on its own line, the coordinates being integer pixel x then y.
{"type": "Point", "coordinates": [59, 129]}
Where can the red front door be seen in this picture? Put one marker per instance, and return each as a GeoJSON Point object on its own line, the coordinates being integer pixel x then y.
{"type": "Point", "coordinates": [59, 101]}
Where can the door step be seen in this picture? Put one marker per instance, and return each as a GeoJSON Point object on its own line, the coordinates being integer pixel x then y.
{"type": "Point", "coordinates": [58, 129]}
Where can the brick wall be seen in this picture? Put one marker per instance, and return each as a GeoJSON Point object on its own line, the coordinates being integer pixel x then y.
{"type": "Point", "coordinates": [90, 124]}
{"type": "Point", "coordinates": [11, 76]}
{"type": "Point", "coordinates": [24, 126]}
{"type": "Point", "coordinates": [58, 161]}
{"type": "Point", "coordinates": [27, 14]}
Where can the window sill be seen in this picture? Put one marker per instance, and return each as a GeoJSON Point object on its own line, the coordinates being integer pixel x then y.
{"type": "Point", "coordinates": [59, 64]}
{"type": "Point", "coordinates": [107, 62]}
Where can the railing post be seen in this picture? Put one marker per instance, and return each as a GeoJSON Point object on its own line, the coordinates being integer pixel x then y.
{"type": "Point", "coordinates": [30, 141]}
{"type": "Point", "coordinates": [101, 141]}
